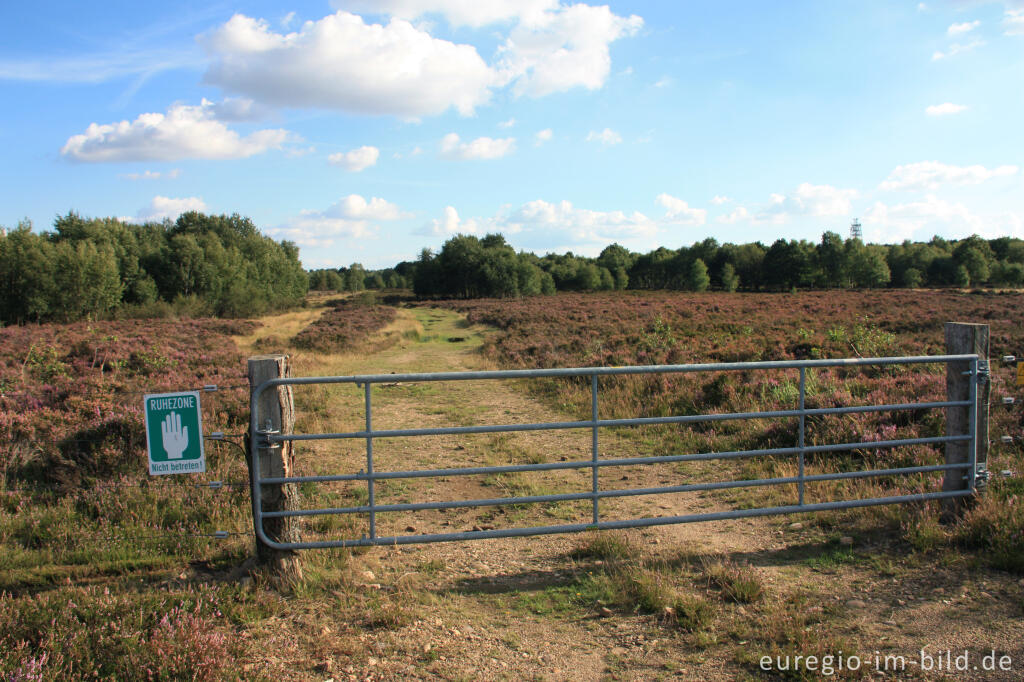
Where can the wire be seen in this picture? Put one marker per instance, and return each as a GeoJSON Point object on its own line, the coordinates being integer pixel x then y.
{"type": "Point", "coordinates": [216, 535]}
{"type": "Point", "coordinates": [211, 485]}
{"type": "Point", "coordinates": [207, 388]}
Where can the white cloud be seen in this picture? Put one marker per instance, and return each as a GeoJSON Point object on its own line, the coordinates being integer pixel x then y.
{"type": "Point", "coordinates": [234, 109]}
{"type": "Point", "coordinates": [558, 226]}
{"type": "Point", "coordinates": [931, 174]}
{"type": "Point", "coordinates": [554, 51]}
{"type": "Point", "coordinates": [606, 137]}
{"type": "Point", "coordinates": [184, 132]}
{"type": "Point", "coordinates": [356, 207]}
{"type": "Point", "coordinates": [920, 220]}
{"type": "Point", "coordinates": [719, 199]}
{"type": "Point", "coordinates": [161, 208]}
{"type": "Point", "coordinates": [1013, 22]}
{"type": "Point", "coordinates": [507, 124]}
{"type": "Point", "coordinates": [153, 175]}
{"type": "Point", "coordinates": [340, 62]}
{"type": "Point", "coordinates": [678, 211]}
{"type": "Point", "coordinates": [582, 225]}
{"type": "Point", "coordinates": [807, 199]}
{"type": "Point", "coordinates": [965, 27]}
{"type": "Point", "coordinates": [480, 148]}
{"type": "Point", "coordinates": [350, 218]}
{"type": "Point", "coordinates": [944, 109]}
{"type": "Point", "coordinates": [355, 160]}
{"type": "Point", "coordinates": [736, 215]}
{"type": "Point", "coordinates": [475, 13]}
{"type": "Point", "coordinates": [662, 82]}
{"type": "Point", "coordinates": [450, 224]}
{"type": "Point", "coordinates": [955, 49]}
{"type": "Point", "coordinates": [543, 136]}
{"type": "Point", "coordinates": [287, 19]}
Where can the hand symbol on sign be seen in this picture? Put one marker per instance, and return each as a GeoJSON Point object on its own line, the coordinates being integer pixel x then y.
{"type": "Point", "coordinates": [175, 437]}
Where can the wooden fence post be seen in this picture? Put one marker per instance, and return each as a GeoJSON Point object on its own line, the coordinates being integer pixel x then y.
{"type": "Point", "coordinates": [964, 338]}
{"type": "Point", "coordinates": [276, 410]}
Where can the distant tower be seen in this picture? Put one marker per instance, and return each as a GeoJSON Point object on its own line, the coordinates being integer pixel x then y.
{"type": "Point", "coordinates": [855, 232]}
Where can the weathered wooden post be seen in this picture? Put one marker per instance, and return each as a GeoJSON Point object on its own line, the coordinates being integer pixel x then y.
{"type": "Point", "coordinates": [963, 339]}
{"type": "Point", "coordinates": [276, 411]}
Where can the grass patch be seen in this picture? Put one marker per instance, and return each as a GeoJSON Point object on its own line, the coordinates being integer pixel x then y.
{"type": "Point", "coordinates": [740, 584]}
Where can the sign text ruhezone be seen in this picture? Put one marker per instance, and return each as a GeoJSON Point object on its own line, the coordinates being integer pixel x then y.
{"type": "Point", "coordinates": [174, 433]}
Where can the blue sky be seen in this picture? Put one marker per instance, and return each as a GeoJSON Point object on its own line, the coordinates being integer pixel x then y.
{"type": "Point", "coordinates": [367, 130]}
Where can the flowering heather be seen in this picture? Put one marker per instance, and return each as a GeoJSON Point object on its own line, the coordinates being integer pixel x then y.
{"type": "Point", "coordinates": [574, 330]}
{"type": "Point", "coordinates": [348, 324]}
{"type": "Point", "coordinates": [71, 395]}
{"type": "Point", "coordinates": [74, 483]}
{"type": "Point", "coordinates": [79, 633]}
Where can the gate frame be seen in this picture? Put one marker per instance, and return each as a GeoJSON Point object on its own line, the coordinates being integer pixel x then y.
{"type": "Point", "coordinates": [263, 440]}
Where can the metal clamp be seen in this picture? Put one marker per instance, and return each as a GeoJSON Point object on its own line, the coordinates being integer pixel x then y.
{"type": "Point", "coordinates": [981, 476]}
{"type": "Point", "coordinates": [267, 430]}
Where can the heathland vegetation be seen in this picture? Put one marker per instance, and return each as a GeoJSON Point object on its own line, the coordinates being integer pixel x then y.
{"type": "Point", "coordinates": [94, 268]}
{"type": "Point", "coordinates": [106, 572]}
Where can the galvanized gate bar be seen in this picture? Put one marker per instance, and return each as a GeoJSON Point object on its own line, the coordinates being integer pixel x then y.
{"type": "Point", "coordinates": [594, 460]}
{"type": "Point", "coordinates": [803, 421]}
{"type": "Point", "coordinates": [626, 492]}
{"type": "Point", "coordinates": [637, 421]}
{"type": "Point", "coordinates": [626, 461]}
{"type": "Point", "coordinates": [614, 371]}
{"type": "Point", "coordinates": [619, 525]}
{"type": "Point", "coordinates": [595, 424]}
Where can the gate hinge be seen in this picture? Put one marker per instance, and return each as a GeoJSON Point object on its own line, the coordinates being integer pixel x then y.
{"type": "Point", "coordinates": [981, 476]}
{"type": "Point", "coordinates": [983, 371]}
{"type": "Point", "coordinates": [262, 435]}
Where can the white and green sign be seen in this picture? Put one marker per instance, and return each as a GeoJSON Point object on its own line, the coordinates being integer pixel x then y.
{"type": "Point", "coordinates": [174, 433]}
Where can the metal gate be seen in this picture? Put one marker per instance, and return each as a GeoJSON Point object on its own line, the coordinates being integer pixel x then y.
{"type": "Point", "coordinates": [970, 365]}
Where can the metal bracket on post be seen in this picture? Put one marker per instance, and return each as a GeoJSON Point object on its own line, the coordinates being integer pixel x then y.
{"type": "Point", "coordinates": [264, 434]}
{"type": "Point", "coordinates": [983, 371]}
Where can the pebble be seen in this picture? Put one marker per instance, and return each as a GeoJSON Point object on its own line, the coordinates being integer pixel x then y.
{"type": "Point", "coordinates": [796, 525]}
{"type": "Point", "coordinates": [368, 576]}
{"type": "Point", "coordinates": [605, 611]}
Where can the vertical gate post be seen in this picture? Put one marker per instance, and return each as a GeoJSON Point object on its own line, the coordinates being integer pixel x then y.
{"type": "Point", "coordinates": [965, 338]}
{"type": "Point", "coordinates": [276, 412]}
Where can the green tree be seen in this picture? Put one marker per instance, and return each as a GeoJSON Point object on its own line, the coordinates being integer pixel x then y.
{"type": "Point", "coordinates": [962, 277]}
{"type": "Point", "coordinates": [26, 275]}
{"type": "Point", "coordinates": [868, 268]}
{"type": "Point", "coordinates": [730, 280]}
{"type": "Point", "coordinates": [912, 278]}
{"type": "Point", "coordinates": [832, 261]}
{"type": "Point", "coordinates": [355, 277]}
{"type": "Point", "coordinates": [621, 278]}
{"type": "Point", "coordinates": [697, 277]}
{"type": "Point", "coordinates": [86, 280]}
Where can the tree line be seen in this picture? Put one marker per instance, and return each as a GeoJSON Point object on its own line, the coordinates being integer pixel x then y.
{"type": "Point", "coordinates": [202, 264]}
{"type": "Point", "coordinates": [470, 267]}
